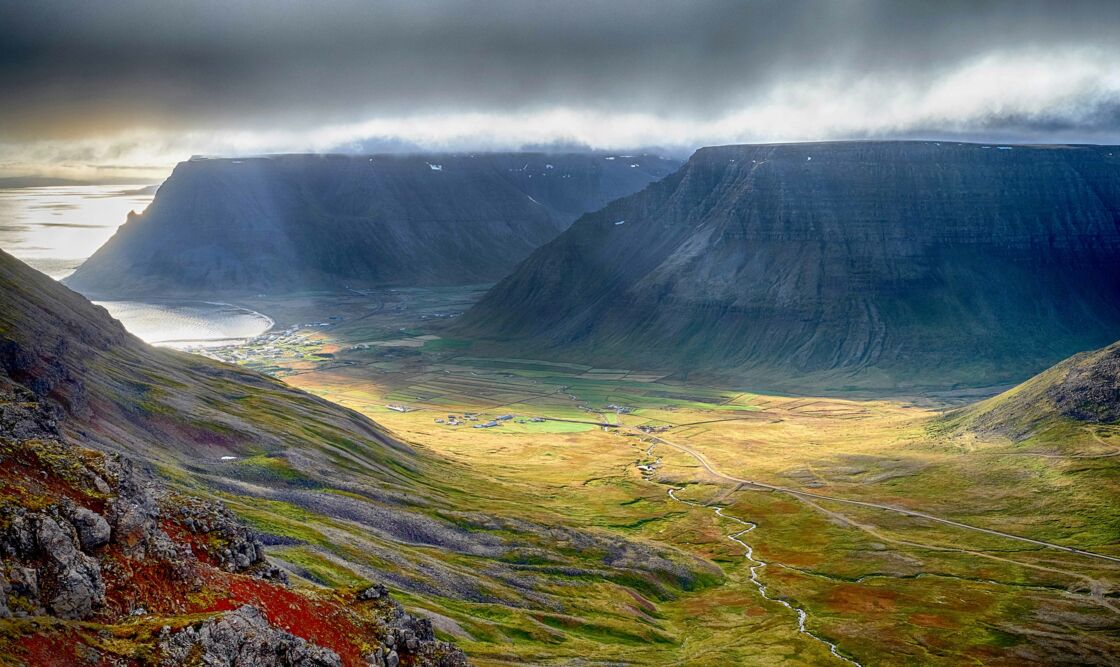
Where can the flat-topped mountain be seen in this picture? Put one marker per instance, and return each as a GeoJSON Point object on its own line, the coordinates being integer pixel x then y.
{"type": "Point", "coordinates": [834, 265]}
{"type": "Point", "coordinates": [307, 222]}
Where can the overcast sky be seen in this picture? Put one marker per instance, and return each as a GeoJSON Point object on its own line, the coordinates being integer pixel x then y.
{"type": "Point", "coordinates": [109, 86]}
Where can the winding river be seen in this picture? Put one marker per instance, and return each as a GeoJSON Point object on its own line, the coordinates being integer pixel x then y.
{"type": "Point", "coordinates": [756, 564]}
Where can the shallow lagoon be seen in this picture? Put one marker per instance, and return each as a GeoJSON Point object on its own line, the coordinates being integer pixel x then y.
{"type": "Point", "coordinates": [188, 324]}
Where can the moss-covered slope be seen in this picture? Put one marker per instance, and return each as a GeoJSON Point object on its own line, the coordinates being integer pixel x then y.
{"type": "Point", "coordinates": [1081, 391]}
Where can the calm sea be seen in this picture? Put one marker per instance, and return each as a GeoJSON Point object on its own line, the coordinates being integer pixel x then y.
{"type": "Point", "coordinates": [55, 228]}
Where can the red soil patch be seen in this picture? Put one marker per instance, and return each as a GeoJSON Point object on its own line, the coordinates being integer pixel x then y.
{"type": "Point", "coordinates": [861, 599]}
{"type": "Point", "coordinates": [140, 583]}
{"type": "Point", "coordinates": [54, 650]}
{"type": "Point", "coordinates": [197, 543]}
{"type": "Point", "coordinates": [318, 621]}
{"type": "Point", "coordinates": [25, 483]}
{"type": "Point", "coordinates": [933, 621]}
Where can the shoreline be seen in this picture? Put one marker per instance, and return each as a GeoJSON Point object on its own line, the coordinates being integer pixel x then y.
{"type": "Point", "coordinates": [168, 322]}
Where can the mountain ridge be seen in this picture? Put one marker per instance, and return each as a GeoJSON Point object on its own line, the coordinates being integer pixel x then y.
{"type": "Point", "coordinates": [291, 223]}
{"type": "Point", "coordinates": [114, 391]}
{"type": "Point", "coordinates": [855, 264]}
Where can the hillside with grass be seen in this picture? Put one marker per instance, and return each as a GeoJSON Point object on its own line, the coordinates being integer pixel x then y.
{"type": "Point", "coordinates": [1078, 395]}
{"type": "Point", "coordinates": [338, 503]}
{"type": "Point", "coordinates": [832, 266]}
{"type": "Point", "coordinates": [169, 408]}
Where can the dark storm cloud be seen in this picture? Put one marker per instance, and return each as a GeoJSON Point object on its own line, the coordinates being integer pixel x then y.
{"type": "Point", "coordinates": [72, 69]}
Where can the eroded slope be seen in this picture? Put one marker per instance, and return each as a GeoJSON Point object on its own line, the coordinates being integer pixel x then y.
{"type": "Point", "coordinates": [835, 265]}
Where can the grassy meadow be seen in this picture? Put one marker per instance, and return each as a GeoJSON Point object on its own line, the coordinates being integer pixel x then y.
{"type": "Point", "coordinates": [568, 545]}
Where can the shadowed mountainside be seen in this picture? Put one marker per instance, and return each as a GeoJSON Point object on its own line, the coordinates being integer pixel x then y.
{"type": "Point", "coordinates": [305, 222]}
{"type": "Point", "coordinates": [846, 265]}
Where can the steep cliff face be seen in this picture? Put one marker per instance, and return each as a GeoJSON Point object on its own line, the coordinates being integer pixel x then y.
{"type": "Point", "coordinates": [865, 263]}
{"type": "Point", "coordinates": [299, 222]}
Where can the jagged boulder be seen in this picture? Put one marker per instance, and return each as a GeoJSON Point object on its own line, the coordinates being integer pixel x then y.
{"type": "Point", "coordinates": [4, 611]}
{"type": "Point", "coordinates": [374, 592]}
{"type": "Point", "coordinates": [238, 548]}
{"type": "Point", "coordinates": [19, 538]}
{"type": "Point", "coordinates": [134, 513]}
{"type": "Point", "coordinates": [75, 584]}
{"type": "Point", "coordinates": [407, 637]}
{"type": "Point", "coordinates": [93, 529]}
{"type": "Point", "coordinates": [243, 638]}
{"type": "Point", "coordinates": [23, 417]}
{"type": "Point", "coordinates": [24, 581]}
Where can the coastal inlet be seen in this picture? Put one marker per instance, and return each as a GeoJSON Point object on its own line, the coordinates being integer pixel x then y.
{"type": "Point", "coordinates": [188, 324]}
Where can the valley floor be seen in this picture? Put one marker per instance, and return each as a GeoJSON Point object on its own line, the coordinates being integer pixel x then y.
{"type": "Point", "coordinates": [822, 530]}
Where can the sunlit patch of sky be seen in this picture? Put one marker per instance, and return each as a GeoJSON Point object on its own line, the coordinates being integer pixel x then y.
{"type": "Point", "coordinates": [1008, 97]}
{"type": "Point", "coordinates": [54, 228]}
{"type": "Point", "coordinates": [123, 88]}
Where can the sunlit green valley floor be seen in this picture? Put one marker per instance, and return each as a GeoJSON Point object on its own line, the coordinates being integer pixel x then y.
{"type": "Point", "coordinates": [841, 513]}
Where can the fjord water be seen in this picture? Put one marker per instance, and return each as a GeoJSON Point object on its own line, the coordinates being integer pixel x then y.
{"type": "Point", "coordinates": [188, 324]}
{"type": "Point", "coordinates": [55, 228]}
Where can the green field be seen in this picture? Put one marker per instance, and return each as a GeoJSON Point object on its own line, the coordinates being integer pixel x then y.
{"type": "Point", "coordinates": [571, 548]}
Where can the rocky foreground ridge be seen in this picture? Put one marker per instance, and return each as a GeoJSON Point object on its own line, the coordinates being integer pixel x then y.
{"type": "Point", "coordinates": [102, 565]}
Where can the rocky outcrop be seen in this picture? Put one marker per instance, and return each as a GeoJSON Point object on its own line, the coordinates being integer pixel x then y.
{"type": "Point", "coordinates": [93, 530]}
{"type": "Point", "coordinates": [1082, 390]}
{"type": "Point", "coordinates": [242, 638]}
{"type": "Point", "coordinates": [308, 222]}
{"type": "Point", "coordinates": [406, 637]}
{"type": "Point", "coordinates": [833, 265]}
{"type": "Point", "coordinates": [45, 568]}
{"type": "Point", "coordinates": [82, 513]}
{"type": "Point", "coordinates": [74, 587]}
{"type": "Point", "coordinates": [1090, 389]}
{"type": "Point", "coordinates": [374, 592]}
{"type": "Point", "coordinates": [226, 541]}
